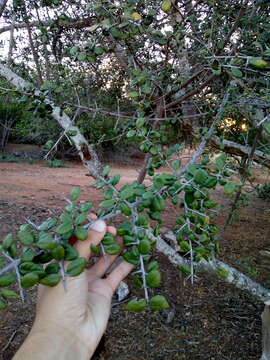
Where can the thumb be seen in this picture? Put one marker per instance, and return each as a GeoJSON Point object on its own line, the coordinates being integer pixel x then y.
{"type": "Point", "coordinates": [96, 233]}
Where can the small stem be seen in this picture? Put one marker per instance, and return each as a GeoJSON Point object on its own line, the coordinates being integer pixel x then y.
{"type": "Point", "coordinates": [14, 263]}
{"type": "Point", "coordinates": [19, 284]}
{"type": "Point", "coordinates": [144, 279]}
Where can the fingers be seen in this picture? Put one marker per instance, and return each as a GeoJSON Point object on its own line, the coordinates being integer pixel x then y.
{"type": "Point", "coordinates": [118, 274]}
{"type": "Point", "coordinates": [96, 233]}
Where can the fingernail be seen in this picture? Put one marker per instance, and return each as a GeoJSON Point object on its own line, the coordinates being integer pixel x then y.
{"type": "Point", "coordinates": [98, 226]}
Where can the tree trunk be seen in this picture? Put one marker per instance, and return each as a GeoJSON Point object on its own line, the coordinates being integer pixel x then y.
{"type": "Point", "coordinates": [266, 333]}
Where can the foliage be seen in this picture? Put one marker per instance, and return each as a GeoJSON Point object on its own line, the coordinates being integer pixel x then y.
{"type": "Point", "coordinates": [8, 158]}
{"type": "Point", "coordinates": [55, 164]}
{"type": "Point", "coordinates": [263, 191]}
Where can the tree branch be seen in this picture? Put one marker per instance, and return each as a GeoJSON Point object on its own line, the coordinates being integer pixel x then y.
{"type": "Point", "coordinates": [234, 276]}
{"type": "Point", "coordinates": [87, 153]}
{"type": "Point", "coordinates": [240, 150]}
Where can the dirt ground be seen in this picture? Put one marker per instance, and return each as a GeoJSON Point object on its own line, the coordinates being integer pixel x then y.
{"type": "Point", "coordinates": [209, 320]}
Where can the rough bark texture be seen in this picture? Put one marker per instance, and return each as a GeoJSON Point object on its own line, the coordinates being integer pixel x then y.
{"type": "Point", "coordinates": [266, 333]}
{"type": "Point", "coordinates": [88, 155]}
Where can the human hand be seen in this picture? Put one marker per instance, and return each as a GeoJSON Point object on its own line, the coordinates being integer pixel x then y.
{"type": "Point", "coordinates": [70, 323]}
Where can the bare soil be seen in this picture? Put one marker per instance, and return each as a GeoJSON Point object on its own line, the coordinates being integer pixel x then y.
{"type": "Point", "coordinates": [209, 320]}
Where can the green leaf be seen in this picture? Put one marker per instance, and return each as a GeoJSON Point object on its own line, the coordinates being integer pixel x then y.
{"type": "Point", "coordinates": [153, 278]}
{"type": "Point", "coordinates": [136, 305]}
{"type": "Point", "coordinates": [229, 188]}
{"type": "Point", "coordinates": [70, 252]}
{"type": "Point", "coordinates": [200, 176]}
{"type": "Point", "coordinates": [7, 294]}
{"type": "Point", "coordinates": [3, 305]}
{"type": "Point", "coordinates": [185, 270]}
{"type": "Point", "coordinates": [64, 228]}
{"type": "Point", "coordinates": [176, 164]}
{"type": "Point", "coordinates": [108, 194]}
{"type": "Point", "coordinates": [7, 279]}
{"type": "Point", "coordinates": [126, 193]}
{"type": "Point", "coordinates": [49, 144]}
{"type": "Point", "coordinates": [29, 280]}
{"type": "Point", "coordinates": [107, 203]}
{"type": "Point", "coordinates": [153, 265]}
{"type": "Point", "coordinates": [266, 127]}
{"type": "Point", "coordinates": [81, 233]}
{"type": "Point", "coordinates": [58, 253]}
{"type": "Point", "coordinates": [47, 225]}
{"type": "Point", "coordinates": [131, 258]}
{"type": "Point", "coordinates": [113, 249]}
{"type": "Point", "coordinates": [66, 218]}
{"type": "Point", "coordinates": [26, 238]}
{"type": "Point", "coordinates": [46, 241]}
{"type": "Point", "coordinates": [74, 194]}
{"type": "Point", "coordinates": [28, 255]}
{"type": "Point", "coordinates": [236, 72]}
{"type": "Point", "coordinates": [144, 247]}
{"type": "Point", "coordinates": [81, 219]}
{"type": "Point", "coordinates": [158, 302]}
{"type": "Point", "coordinates": [7, 242]}
{"type": "Point", "coordinates": [131, 133]}
{"type": "Point", "coordinates": [76, 267]}
{"type": "Point", "coordinates": [52, 269]}
{"type": "Point", "coordinates": [29, 267]}
{"type": "Point", "coordinates": [86, 207]}
{"type": "Point", "coordinates": [115, 179]}
{"type": "Point", "coordinates": [95, 249]}
{"type": "Point", "coordinates": [222, 273]}
{"type": "Point", "coordinates": [184, 245]}
{"type": "Point", "coordinates": [106, 171]}
{"type": "Point", "coordinates": [72, 132]}
{"type": "Point", "coordinates": [50, 280]}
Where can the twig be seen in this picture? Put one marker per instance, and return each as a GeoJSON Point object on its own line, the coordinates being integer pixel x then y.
{"type": "Point", "coordinates": [9, 340]}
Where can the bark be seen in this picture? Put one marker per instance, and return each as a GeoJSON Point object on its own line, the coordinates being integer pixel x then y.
{"type": "Point", "coordinates": [233, 148]}
{"type": "Point", "coordinates": [266, 333]}
{"type": "Point", "coordinates": [87, 154]}
{"type": "Point", "coordinates": [233, 277]}
{"type": "Point", "coordinates": [3, 4]}
{"type": "Point", "coordinates": [71, 24]}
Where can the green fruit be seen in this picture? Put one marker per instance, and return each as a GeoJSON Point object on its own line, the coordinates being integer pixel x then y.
{"type": "Point", "coordinates": [74, 194]}
{"type": "Point", "coordinates": [6, 280]}
{"type": "Point", "coordinates": [29, 280]}
{"type": "Point", "coordinates": [46, 241]}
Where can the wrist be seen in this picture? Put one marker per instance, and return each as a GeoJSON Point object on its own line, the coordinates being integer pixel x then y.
{"type": "Point", "coordinates": [50, 341]}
